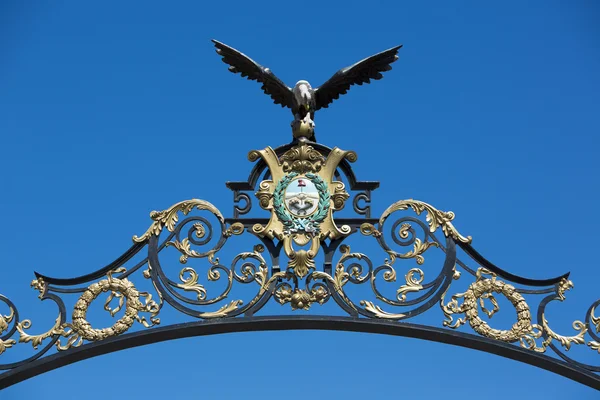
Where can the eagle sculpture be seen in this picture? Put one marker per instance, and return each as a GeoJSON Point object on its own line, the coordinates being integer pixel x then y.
{"type": "Point", "coordinates": [302, 99]}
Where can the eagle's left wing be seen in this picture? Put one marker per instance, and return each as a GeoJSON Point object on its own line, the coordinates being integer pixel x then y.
{"type": "Point", "coordinates": [359, 73]}
{"type": "Point", "coordinates": [241, 63]}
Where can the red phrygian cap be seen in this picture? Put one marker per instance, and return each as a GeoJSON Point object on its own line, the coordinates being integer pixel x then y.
{"type": "Point", "coordinates": [301, 183]}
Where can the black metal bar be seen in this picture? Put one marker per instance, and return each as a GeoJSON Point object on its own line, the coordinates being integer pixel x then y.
{"type": "Point", "coordinates": [339, 221]}
{"type": "Point", "coordinates": [467, 248]}
{"type": "Point", "coordinates": [331, 323]}
{"type": "Point", "coordinates": [132, 251]}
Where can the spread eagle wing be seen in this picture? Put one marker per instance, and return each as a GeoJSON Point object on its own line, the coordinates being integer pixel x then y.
{"type": "Point", "coordinates": [359, 73]}
{"type": "Point", "coordinates": [240, 63]}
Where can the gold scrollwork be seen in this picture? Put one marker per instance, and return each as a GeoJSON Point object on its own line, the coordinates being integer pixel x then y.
{"type": "Point", "coordinates": [185, 249]}
{"type": "Point", "coordinates": [339, 196]}
{"type": "Point", "coordinates": [191, 283]}
{"type": "Point", "coordinates": [595, 320]}
{"type": "Point", "coordinates": [435, 218]}
{"type": "Point", "coordinates": [36, 340]}
{"type": "Point", "coordinates": [565, 341]}
{"type": "Point", "coordinates": [237, 228]}
{"type": "Point", "coordinates": [169, 217]}
{"type": "Point", "coordinates": [419, 246]}
{"type": "Point", "coordinates": [413, 284]}
{"type": "Point", "coordinates": [265, 194]}
{"type": "Point", "coordinates": [223, 311]}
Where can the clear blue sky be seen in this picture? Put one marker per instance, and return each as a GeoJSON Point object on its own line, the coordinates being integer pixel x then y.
{"type": "Point", "coordinates": [109, 111]}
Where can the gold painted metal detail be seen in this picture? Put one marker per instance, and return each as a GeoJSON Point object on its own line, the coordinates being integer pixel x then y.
{"type": "Point", "coordinates": [481, 289]}
{"type": "Point", "coordinates": [301, 261]}
{"type": "Point", "coordinates": [339, 195]}
{"type": "Point", "coordinates": [237, 228]}
{"type": "Point", "coordinates": [419, 247]}
{"type": "Point", "coordinates": [434, 218]}
{"type": "Point", "coordinates": [379, 312]}
{"type": "Point", "coordinates": [413, 284]}
{"type": "Point", "coordinates": [223, 311]}
{"type": "Point", "coordinates": [300, 298]}
{"type": "Point", "coordinates": [39, 285]}
{"type": "Point", "coordinates": [185, 249]}
{"type": "Point", "coordinates": [191, 283]}
{"type": "Point", "coordinates": [5, 320]}
{"type": "Point", "coordinates": [80, 329]}
{"type": "Point", "coordinates": [36, 340]}
{"type": "Point", "coordinates": [565, 341]}
{"type": "Point", "coordinates": [302, 159]}
{"type": "Point", "coordinates": [6, 344]}
{"type": "Point", "coordinates": [169, 217]}
{"type": "Point", "coordinates": [523, 330]}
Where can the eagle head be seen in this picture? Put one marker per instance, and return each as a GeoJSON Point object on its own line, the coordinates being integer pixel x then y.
{"type": "Point", "coordinates": [304, 95]}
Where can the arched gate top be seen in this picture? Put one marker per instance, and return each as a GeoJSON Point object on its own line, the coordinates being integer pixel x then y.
{"type": "Point", "coordinates": [315, 243]}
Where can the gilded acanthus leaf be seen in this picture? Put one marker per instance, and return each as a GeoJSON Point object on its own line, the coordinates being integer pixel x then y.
{"type": "Point", "coordinates": [565, 341]}
{"type": "Point", "coordinates": [6, 319]}
{"type": "Point", "coordinates": [36, 340]}
{"type": "Point", "coordinates": [379, 312]}
{"type": "Point", "coordinates": [302, 159]}
{"type": "Point", "coordinates": [6, 344]}
{"type": "Point", "coordinates": [191, 283]}
{"type": "Point", "coordinates": [301, 262]}
{"type": "Point", "coordinates": [223, 311]}
{"type": "Point", "coordinates": [413, 284]}
{"type": "Point", "coordinates": [435, 218]}
{"type": "Point", "coordinates": [169, 217]}
{"type": "Point", "coordinates": [185, 249]}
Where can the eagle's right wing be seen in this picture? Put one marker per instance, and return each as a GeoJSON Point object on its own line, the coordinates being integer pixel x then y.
{"type": "Point", "coordinates": [357, 74]}
{"type": "Point", "coordinates": [240, 63]}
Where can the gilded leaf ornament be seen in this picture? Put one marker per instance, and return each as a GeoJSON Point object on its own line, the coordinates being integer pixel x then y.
{"type": "Point", "coordinates": [4, 321]}
{"type": "Point", "coordinates": [434, 217]}
{"type": "Point", "coordinates": [169, 217]}
{"type": "Point", "coordinates": [413, 284]}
